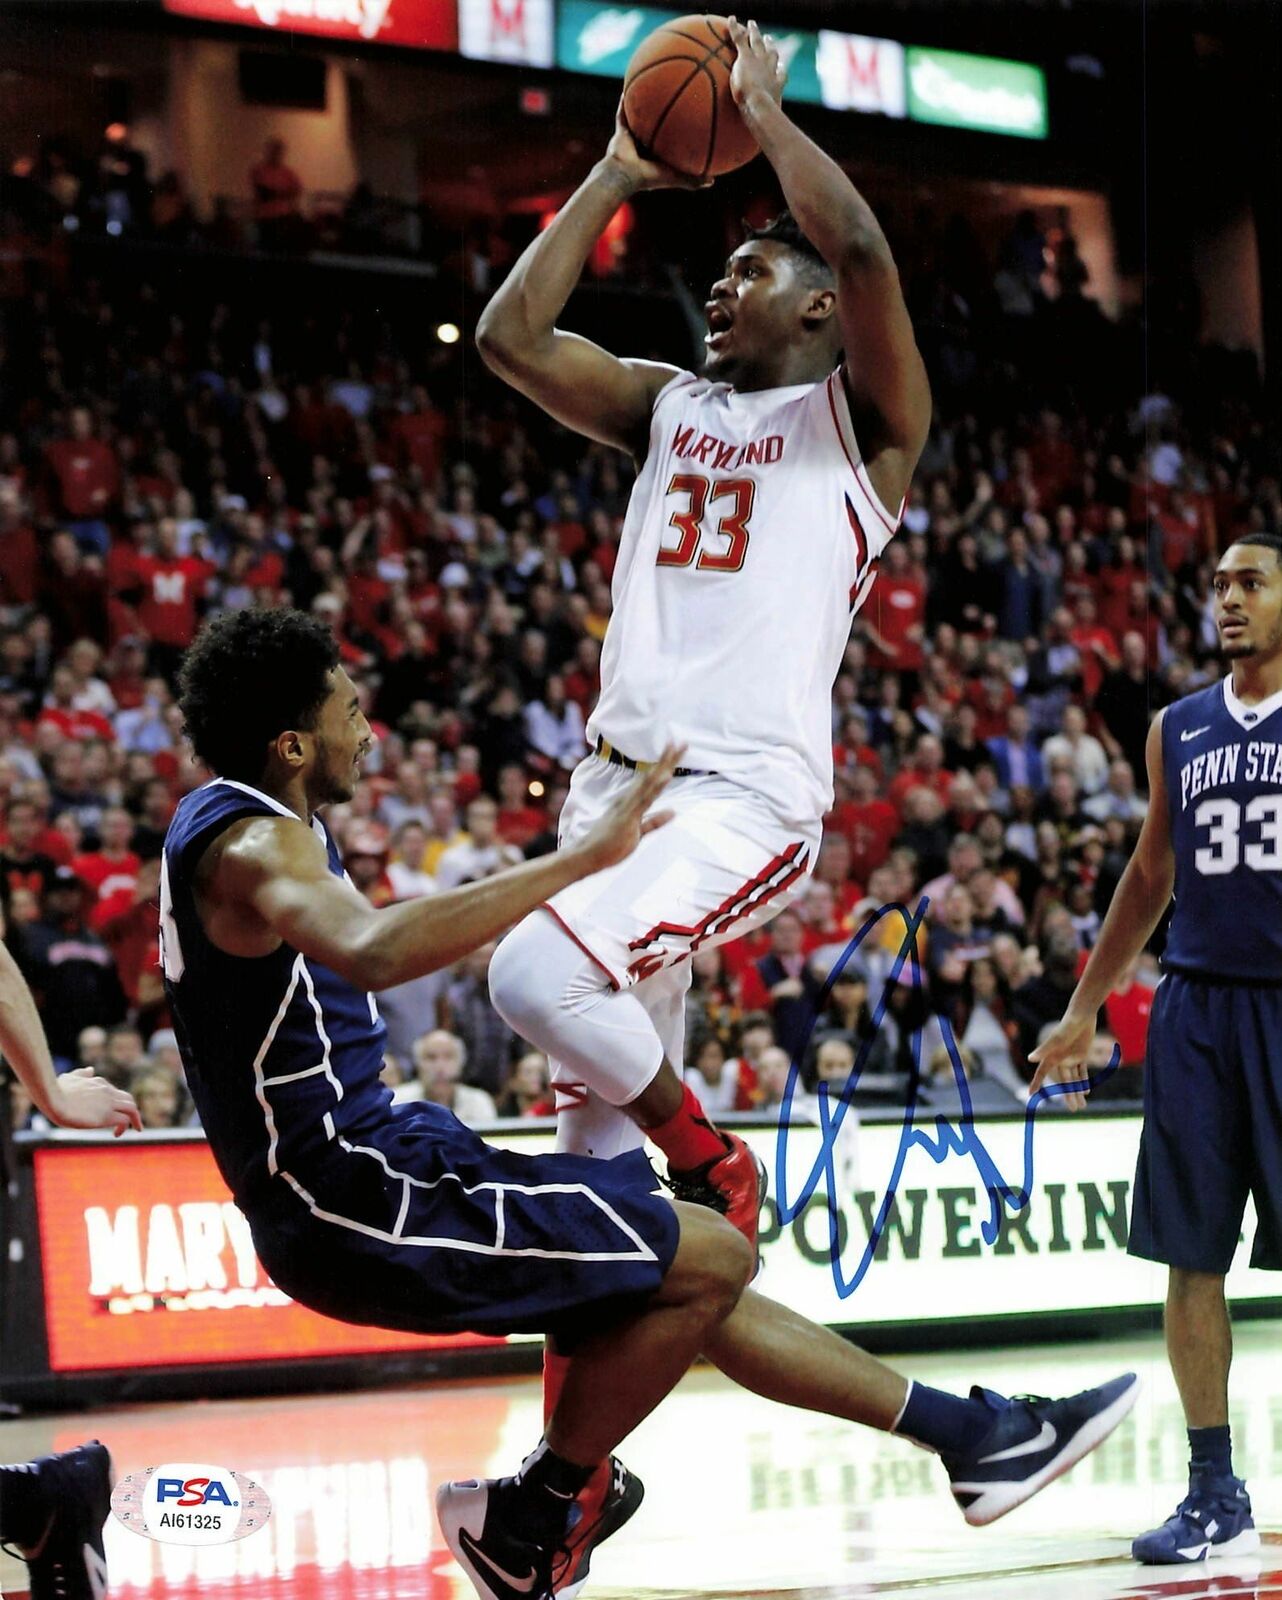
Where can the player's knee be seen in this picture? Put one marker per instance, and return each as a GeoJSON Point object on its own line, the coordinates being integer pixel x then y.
{"type": "Point", "coordinates": [713, 1265]}
{"type": "Point", "coordinates": [515, 990]}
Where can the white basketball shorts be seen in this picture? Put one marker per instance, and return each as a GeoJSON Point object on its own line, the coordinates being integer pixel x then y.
{"type": "Point", "coordinates": [721, 867]}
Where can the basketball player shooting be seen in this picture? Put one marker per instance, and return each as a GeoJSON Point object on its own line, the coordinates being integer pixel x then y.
{"type": "Point", "coordinates": [767, 487]}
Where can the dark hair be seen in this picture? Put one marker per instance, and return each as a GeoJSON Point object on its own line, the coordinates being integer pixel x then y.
{"type": "Point", "coordinates": [249, 676]}
{"type": "Point", "coordinates": [783, 230]}
{"type": "Point", "coordinates": [1270, 541]}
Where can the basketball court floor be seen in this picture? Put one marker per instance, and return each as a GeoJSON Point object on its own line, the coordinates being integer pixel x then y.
{"type": "Point", "coordinates": [743, 1498]}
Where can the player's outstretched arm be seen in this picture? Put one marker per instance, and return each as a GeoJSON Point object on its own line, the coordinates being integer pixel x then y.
{"type": "Point", "coordinates": [77, 1099]}
{"type": "Point", "coordinates": [277, 868]}
{"type": "Point", "coordinates": [885, 375]}
{"type": "Point", "coordinates": [1142, 896]}
{"type": "Point", "coordinates": [574, 380]}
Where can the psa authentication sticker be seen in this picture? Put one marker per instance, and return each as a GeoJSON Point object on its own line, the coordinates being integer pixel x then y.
{"type": "Point", "coordinates": [188, 1503]}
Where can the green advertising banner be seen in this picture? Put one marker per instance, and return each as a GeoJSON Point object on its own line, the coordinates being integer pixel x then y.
{"type": "Point", "coordinates": [596, 38]}
{"type": "Point", "coordinates": [846, 72]}
{"type": "Point", "coordinates": [964, 91]}
{"type": "Point", "coordinates": [599, 39]}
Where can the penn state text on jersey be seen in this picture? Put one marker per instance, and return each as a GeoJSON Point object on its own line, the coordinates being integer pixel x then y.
{"type": "Point", "coordinates": [1222, 761]}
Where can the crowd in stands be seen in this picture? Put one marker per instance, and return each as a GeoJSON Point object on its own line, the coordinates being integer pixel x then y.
{"type": "Point", "coordinates": [111, 191]}
{"type": "Point", "coordinates": [163, 458]}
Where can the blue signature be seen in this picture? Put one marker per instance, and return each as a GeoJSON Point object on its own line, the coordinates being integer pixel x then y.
{"type": "Point", "coordinates": [960, 1139]}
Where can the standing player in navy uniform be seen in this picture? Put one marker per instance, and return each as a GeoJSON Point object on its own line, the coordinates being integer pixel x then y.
{"type": "Point", "coordinates": [1213, 1074]}
{"type": "Point", "coordinates": [398, 1215]}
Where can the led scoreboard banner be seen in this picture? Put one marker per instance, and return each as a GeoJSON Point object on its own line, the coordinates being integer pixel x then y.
{"type": "Point", "coordinates": [842, 71]}
{"type": "Point", "coordinates": [148, 1263]}
{"type": "Point", "coordinates": [426, 24]}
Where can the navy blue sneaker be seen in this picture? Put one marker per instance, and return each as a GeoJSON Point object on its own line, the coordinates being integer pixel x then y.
{"type": "Point", "coordinates": [1214, 1521]}
{"type": "Point", "coordinates": [501, 1564]}
{"type": "Point", "coordinates": [592, 1526]}
{"type": "Point", "coordinates": [1031, 1442]}
{"type": "Point", "coordinates": [65, 1501]}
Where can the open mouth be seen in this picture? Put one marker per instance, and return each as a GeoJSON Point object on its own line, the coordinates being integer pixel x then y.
{"type": "Point", "coordinates": [719, 324]}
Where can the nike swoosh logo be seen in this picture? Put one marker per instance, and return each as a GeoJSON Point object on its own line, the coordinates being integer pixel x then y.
{"type": "Point", "coordinates": [1194, 1552]}
{"type": "Point", "coordinates": [1030, 1447]}
{"type": "Point", "coordinates": [1193, 733]}
{"type": "Point", "coordinates": [478, 1556]}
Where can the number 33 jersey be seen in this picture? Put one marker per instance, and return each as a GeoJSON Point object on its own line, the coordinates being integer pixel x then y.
{"type": "Point", "coordinates": [751, 539]}
{"type": "Point", "coordinates": [1222, 761]}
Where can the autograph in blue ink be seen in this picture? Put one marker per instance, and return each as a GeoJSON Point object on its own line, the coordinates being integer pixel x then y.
{"type": "Point", "coordinates": [948, 1139]}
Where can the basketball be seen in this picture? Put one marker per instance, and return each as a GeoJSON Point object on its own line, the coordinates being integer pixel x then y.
{"type": "Point", "coordinates": [676, 98]}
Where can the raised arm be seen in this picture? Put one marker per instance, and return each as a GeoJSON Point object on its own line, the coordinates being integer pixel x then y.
{"type": "Point", "coordinates": [884, 374]}
{"type": "Point", "coordinates": [574, 380]}
{"type": "Point", "coordinates": [1136, 908]}
{"type": "Point", "coordinates": [268, 878]}
{"type": "Point", "coordinates": [76, 1099]}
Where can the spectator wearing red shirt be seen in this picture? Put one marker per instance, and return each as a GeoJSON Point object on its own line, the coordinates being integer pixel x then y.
{"type": "Point", "coordinates": [819, 910]}
{"type": "Point", "coordinates": [173, 587]}
{"type": "Point", "coordinates": [419, 435]}
{"type": "Point", "coordinates": [128, 921]}
{"type": "Point", "coordinates": [73, 592]}
{"type": "Point", "coordinates": [1096, 647]}
{"type": "Point", "coordinates": [277, 190]}
{"type": "Point", "coordinates": [834, 869]}
{"type": "Point", "coordinates": [1185, 538]}
{"type": "Point", "coordinates": [86, 478]}
{"type": "Point", "coordinates": [19, 551]}
{"type": "Point", "coordinates": [1077, 578]}
{"type": "Point", "coordinates": [571, 535]}
{"type": "Point", "coordinates": [853, 748]}
{"type": "Point", "coordinates": [866, 819]}
{"type": "Point", "coordinates": [1052, 459]}
{"type": "Point", "coordinates": [59, 711]}
{"type": "Point", "coordinates": [113, 866]}
{"type": "Point", "coordinates": [894, 615]}
{"type": "Point", "coordinates": [583, 676]}
{"type": "Point", "coordinates": [518, 821]}
{"type": "Point", "coordinates": [604, 540]}
{"type": "Point", "coordinates": [1127, 1010]}
{"type": "Point", "coordinates": [1118, 577]}
{"type": "Point", "coordinates": [925, 771]}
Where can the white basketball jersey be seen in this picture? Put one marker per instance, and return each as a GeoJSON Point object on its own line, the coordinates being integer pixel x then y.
{"type": "Point", "coordinates": [750, 541]}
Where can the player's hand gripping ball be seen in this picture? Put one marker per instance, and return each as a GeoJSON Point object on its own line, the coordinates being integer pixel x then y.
{"type": "Point", "coordinates": [678, 99]}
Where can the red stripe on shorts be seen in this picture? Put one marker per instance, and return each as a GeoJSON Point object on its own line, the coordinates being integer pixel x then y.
{"type": "Point", "coordinates": [566, 928]}
{"type": "Point", "coordinates": [733, 906]}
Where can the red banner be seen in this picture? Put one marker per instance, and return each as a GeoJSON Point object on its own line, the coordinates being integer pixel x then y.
{"type": "Point", "coordinates": [147, 1263]}
{"type": "Point", "coordinates": [425, 24]}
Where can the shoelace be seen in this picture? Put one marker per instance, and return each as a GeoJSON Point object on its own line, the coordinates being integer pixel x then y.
{"type": "Point", "coordinates": [1196, 1507]}
{"type": "Point", "coordinates": [698, 1191]}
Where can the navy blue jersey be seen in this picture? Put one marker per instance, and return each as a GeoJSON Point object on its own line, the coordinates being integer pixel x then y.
{"type": "Point", "coordinates": [282, 1055]}
{"type": "Point", "coordinates": [1223, 767]}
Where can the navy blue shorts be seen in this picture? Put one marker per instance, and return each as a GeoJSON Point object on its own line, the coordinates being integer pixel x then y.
{"type": "Point", "coordinates": [418, 1224]}
{"type": "Point", "coordinates": [1212, 1126]}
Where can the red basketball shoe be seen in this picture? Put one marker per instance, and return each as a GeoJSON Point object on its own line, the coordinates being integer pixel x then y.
{"type": "Point", "coordinates": [734, 1184]}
